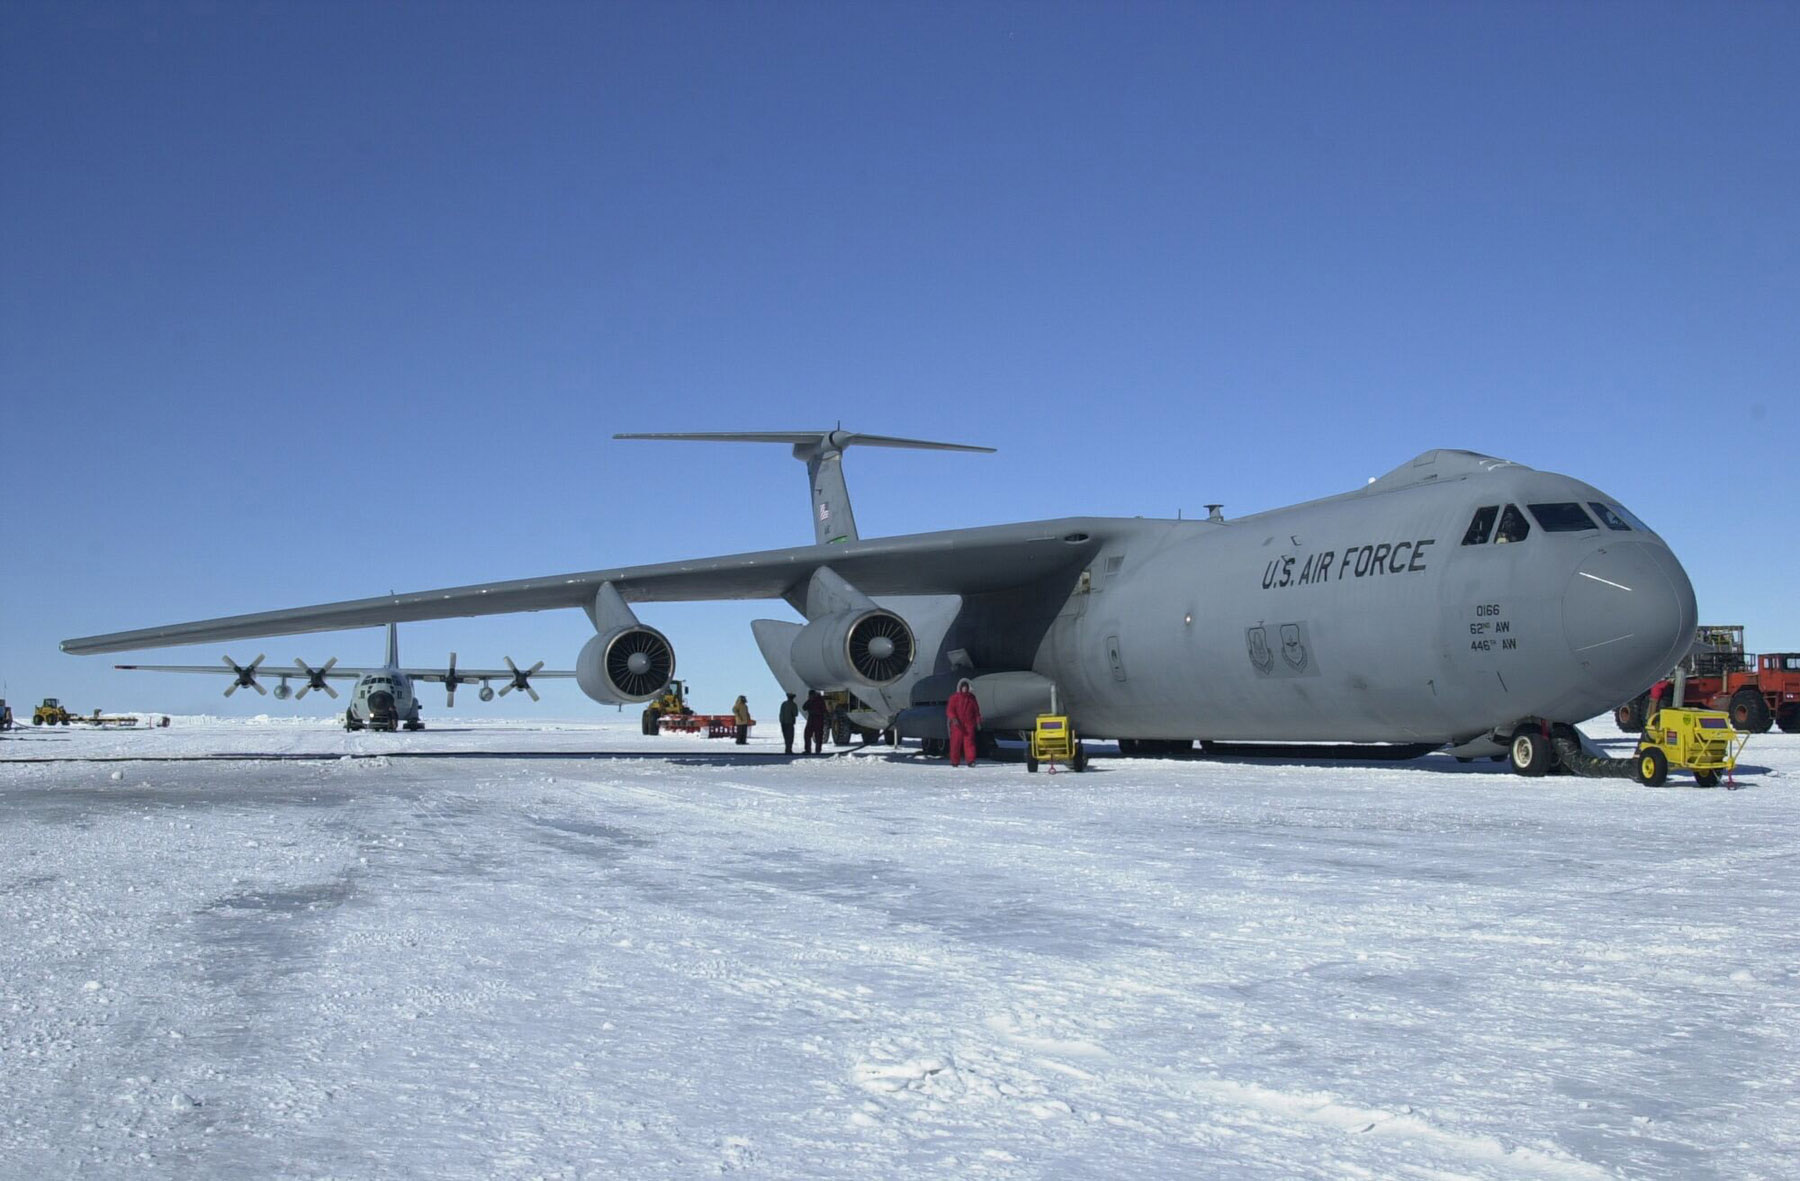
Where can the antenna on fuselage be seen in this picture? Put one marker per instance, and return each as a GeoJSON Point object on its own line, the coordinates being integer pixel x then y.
{"type": "Point", "coordinates": [823, 453]}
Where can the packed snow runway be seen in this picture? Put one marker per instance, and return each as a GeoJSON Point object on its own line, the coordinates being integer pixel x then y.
{"type": "Point", "coordinates": [686, 958]}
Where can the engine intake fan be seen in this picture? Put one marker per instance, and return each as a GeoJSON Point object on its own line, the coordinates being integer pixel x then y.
{"type": "Point", "coordinates": [871, 647]}
{"type": "Point", "coordinates": [628, 664]}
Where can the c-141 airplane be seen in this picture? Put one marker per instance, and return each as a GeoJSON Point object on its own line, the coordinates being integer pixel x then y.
{"type": "Point", "coordinates": [1460, 601]}
{"type": "Point", "coordinates": [383, 698]}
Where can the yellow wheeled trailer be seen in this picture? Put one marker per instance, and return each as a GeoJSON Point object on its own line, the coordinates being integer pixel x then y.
{"type": "Point", "coordinates": [1053, 741]}
{"type": "Point", "coordinates": [1697, 740]}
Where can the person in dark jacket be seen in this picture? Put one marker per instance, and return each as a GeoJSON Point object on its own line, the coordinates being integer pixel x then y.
{"type": "Point", "coordinates": [964, 715]}
{"type": "Point", "coordinates": [740, 713]}
{"type": "Point", "coordinates": [790, 710]}
{"type": "Point", "coordinates": [816, 713]}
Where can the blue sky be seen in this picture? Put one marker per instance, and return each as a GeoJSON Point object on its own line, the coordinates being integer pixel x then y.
{"type": "Point", "coordinates": [301, 302]}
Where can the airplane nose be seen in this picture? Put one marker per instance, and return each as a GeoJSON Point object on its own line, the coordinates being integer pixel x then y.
{"type": "Point", "coordinates": [1629, 615]}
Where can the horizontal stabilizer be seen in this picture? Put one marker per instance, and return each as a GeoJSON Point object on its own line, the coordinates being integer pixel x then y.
{"type": "Point", "coordinates": [823, 454]}
{"type": "Point", "coordinates": [826, 440]}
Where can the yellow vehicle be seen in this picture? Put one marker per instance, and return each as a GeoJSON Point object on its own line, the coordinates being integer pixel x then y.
{"type": "Point", "coordinates": [671, 702]}
{"type": "Point", "coordinates": [51, 713]}
{"type": "Point", "coordinates": [1053, 741]}
{"type": "Point", "coordinates": [1697, 740]}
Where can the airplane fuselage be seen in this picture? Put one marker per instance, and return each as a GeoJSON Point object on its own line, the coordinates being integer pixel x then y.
{"type": "Point", "coordinates": [1363, 618]}
{"type": "Point", "coordinates": [383, 700]}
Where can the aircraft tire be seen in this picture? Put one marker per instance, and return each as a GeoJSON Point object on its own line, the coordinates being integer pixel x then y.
{"type": "Point", "coordinates": [1530, 753]}
{"type": "Point", "coordinates": [1749, 712]}
{"type": "Point", "coordinates": [1652, 767]}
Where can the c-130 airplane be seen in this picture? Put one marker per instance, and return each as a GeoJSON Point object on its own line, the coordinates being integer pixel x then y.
{"type": "Point", "coordinates": [1459, 601]}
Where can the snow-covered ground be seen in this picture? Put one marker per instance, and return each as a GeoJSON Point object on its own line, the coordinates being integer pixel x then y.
{"type": "Point", "coordinates": [565, 950]}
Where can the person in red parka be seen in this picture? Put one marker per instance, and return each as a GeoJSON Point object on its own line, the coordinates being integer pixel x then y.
{"type": "Point", "coordinates": [964, 716]}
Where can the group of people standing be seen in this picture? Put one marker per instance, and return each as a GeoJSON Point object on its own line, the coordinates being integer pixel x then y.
{"type": "Point", "coordinates": [817, 711]}
{"type": "Point", "coordinates": [962, 716]}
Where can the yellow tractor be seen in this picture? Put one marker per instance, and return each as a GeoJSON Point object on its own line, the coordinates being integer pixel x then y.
{"type": "Point", "coordinates": [51, 713]}
{"type": "Point", "coordinates": [1697, 740]}
{"type": "Point", "coordinates": [672, 702]}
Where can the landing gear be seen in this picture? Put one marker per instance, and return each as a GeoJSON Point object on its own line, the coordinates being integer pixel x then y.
{"type": "Point", "coordinates": [1530, 753]}
{"type": "Point", "coordinates": [351, 721]}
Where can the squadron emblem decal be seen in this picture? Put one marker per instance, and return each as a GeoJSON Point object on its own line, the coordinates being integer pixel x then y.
{"type": "Point", "coordinates": [1296, 651]}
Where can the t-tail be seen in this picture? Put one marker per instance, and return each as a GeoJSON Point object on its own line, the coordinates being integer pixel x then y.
{"type": "Point", "coordinates": [823, 454]}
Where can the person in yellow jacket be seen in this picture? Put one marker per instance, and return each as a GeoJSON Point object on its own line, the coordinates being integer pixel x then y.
{"type": "Point", "coordinates": [740, 712]}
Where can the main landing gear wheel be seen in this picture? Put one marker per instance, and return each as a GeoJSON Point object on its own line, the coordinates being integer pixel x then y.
{"type": "Point", "coordinates": [1530, 753]}
{"type": "Point", "coordinates": [1653, 768]}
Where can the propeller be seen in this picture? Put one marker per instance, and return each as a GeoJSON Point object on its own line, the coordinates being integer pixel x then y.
{"type": "Point", "coordinates": [246, 675]}
{"type": "Point", "coordinates": [520, 680]}
{"type": "Point", "coordinates": [450, 684]}
{"type": "Point", "coordinates": [315, 678]}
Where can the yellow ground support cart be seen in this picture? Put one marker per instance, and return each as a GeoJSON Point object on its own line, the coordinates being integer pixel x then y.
{"type": "Point", "coordinates": [1053, 741]}
{"type": "Point", "coordinates": [1697, 740]}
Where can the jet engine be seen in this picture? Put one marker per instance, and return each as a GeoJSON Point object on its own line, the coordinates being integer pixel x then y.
{"type": "Point", "coordinates": [627, 664]}
{"type": "Point", "coordinates": [868, 647]}
{"type": "Point", "coordinates": [626, 661]}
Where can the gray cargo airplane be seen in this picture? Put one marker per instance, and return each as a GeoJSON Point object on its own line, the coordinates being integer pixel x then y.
{"type": "Point", "coordinates": [383, 698]}
{"type": "Point", "coordinates": [1459, 600]}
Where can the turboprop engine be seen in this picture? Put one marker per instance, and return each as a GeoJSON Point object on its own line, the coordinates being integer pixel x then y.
{"type": "Point", "coordinates": [871, 647]}
{"type": "Point", "coordinates": [627, 661]}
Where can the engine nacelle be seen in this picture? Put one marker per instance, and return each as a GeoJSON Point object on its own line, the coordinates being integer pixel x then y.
{"type": "Point", "coordinates": [869, 647]}
{"type": "Point", "coordinates": [627, 664]}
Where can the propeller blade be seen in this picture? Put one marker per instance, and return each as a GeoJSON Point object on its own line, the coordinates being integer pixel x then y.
{"type": "Point", "coordinates": [258, 687]}
{"type": "Point", "coordinates": [514, 683]}
{"type": "Point", "coordinates": [532, 691]}
{"type": "Point", "coordinates": [330, 690]}
{"type": "Point", "coordinates": [231, 688]}
{"type": "Point", "coordinates": [450, 684]}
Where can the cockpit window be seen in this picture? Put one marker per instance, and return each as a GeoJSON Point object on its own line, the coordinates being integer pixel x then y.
{"type": "Point", "coordinates": [1609, 516]}
{"type": "Point", "coordinates": [1513, 526]}
{"type": "Point", "coordinates": [1631, 518]}
{"type": "Point", "coordinates": [1481, 525]}
{"type": "Point", "coordinates": [1566, 517]}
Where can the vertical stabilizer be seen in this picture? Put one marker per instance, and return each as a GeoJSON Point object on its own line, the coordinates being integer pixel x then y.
{"type": "Point", "coordinates": [393, 656]}
{"type": "Point", "coordinates": [823, 454]}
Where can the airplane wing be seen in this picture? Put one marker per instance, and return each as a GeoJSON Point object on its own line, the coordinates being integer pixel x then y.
{"type": "Point", "coordinates": [956, 561]}
{"type": "Point", "coordinates": [336, 673]}
{"type": "Point", "coordinates": [468, 676]}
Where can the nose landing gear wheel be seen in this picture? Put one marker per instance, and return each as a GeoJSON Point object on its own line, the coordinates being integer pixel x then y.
{"type": "Point", "coordinates": [1530, 754]}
